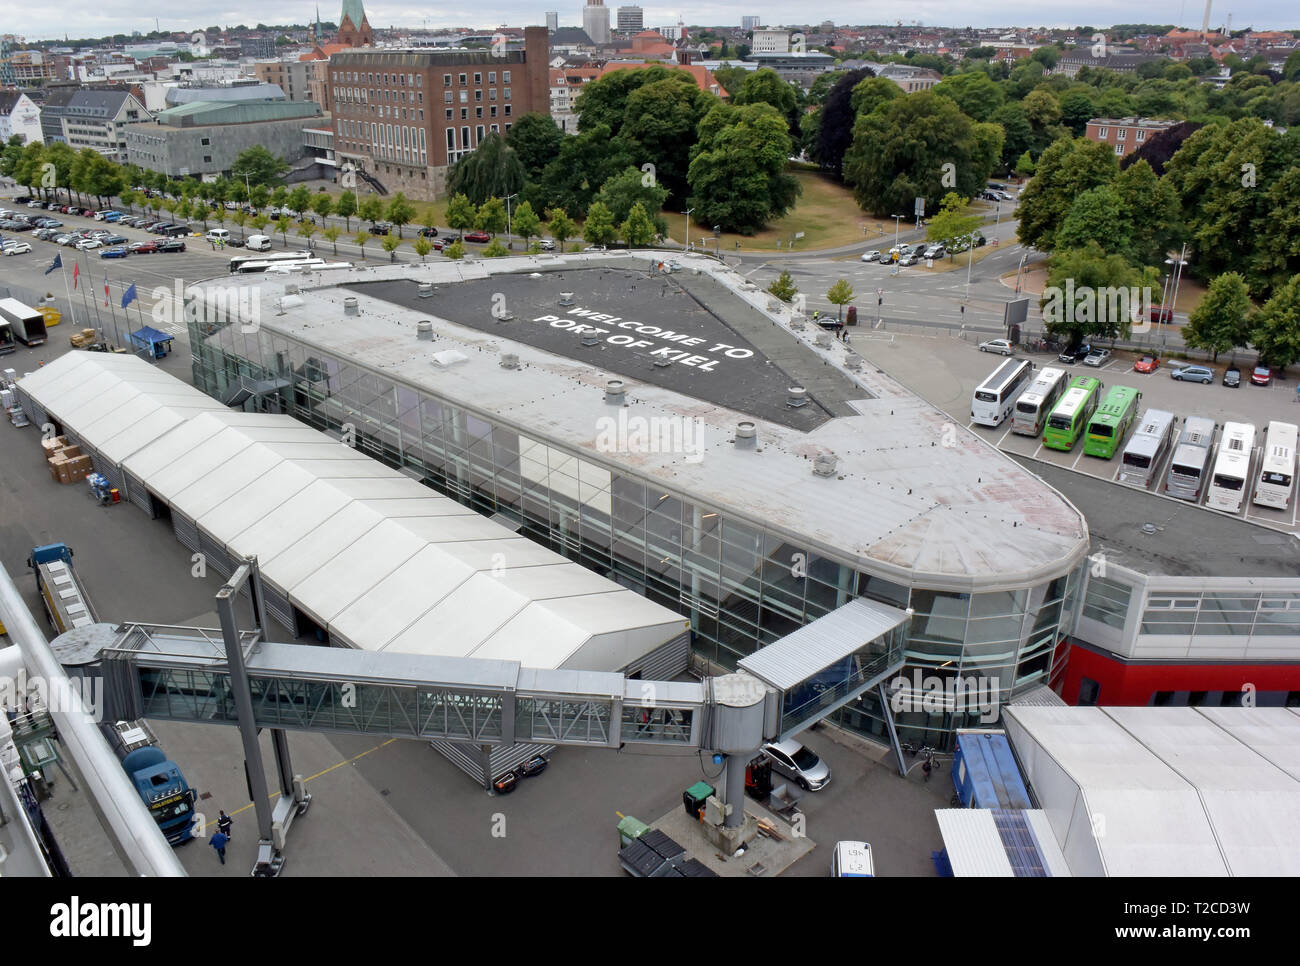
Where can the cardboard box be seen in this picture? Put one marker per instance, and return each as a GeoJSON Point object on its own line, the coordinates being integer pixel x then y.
{"type": "Point", "coordinates": [79, 468]}
{"type": "Point", "coordinates": [70, 452]}
{"type": "Point", "coordinates": [54, 444]}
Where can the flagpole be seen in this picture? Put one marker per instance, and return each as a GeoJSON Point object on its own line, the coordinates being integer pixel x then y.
{"type": "Point", "coordinates": [85, 303]}
{"type": "Point", "coordinates": [63, 270]}
{"type": "Point", "coordinates": [108, 297]}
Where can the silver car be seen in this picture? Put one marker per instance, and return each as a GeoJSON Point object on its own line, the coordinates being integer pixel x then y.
{"type": "Point", "coordinates": [798, 763]}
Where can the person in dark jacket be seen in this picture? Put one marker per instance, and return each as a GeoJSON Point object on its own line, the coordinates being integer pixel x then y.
{"type": "Point", "coordinates": [219, 843]}
{"type": "Point", "coordinates": [224, 824]}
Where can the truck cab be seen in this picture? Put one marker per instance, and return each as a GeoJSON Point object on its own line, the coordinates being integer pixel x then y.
{"type": "Point", "coordinates": [158, 781]}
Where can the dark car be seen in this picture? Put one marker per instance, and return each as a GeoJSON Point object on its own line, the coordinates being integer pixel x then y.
{"type": "Point", "coordinates": [171, 245]}
{"type": "Point", "coordinates": [157, 227]}
{"type": "Point", "coordinates": [1077, 354]}
{"type": "Point", "coordinates": [114, 240]}
{"type": "Point", "coordinates": [429, 232]}
{"type": "Point", "coordinates": [380, 228]}
{"type": "Point", "coordinates": [113, 253]}
{"type": "Point", "coordinates": [1232, 377]}
{"type": "Point", "coordinates": [478, 236]}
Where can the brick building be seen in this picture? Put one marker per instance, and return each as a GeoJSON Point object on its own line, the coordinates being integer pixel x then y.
{"type": "Point", "coordinates": [404, 116]}
{"type": "Point", "coordinates": [1124, 134]}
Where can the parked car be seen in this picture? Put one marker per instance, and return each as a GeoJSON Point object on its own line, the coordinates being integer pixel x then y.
{"type": "Point", "coordinates": [1161, 313]}
{"type": "Point", "coordinates": [871, 256]}
{"type": "Point", "coordinates": [142, 247]}
{"type": "Point", "coordinates": [908, 260]}
{"type": "Point", "coordinates": [380, 228]}
{"type": "Point", "coordinates": [232, 206]}
{"type": "Point", "coordinates": [17, 248]}
{"type": "Point", "coordinates": [1261, 376]}
{"type": "Point", "coordinates": [65, 239]}
{"type": "Point", "coordinates": [1077, 354]}
{"type": "Point", "coordinates": [118, 252]}
{"type": "Point", "coordinates": [1097, 357]}
{"type": "Point", "coordinates": [171, 245]}
{"type": "Point", "coordinates": [428, 232]}
{"type": "Point", "coordinates": [114, 240]}
{"type": "Point", "coordinates": [935, 251]}
{"type": "Point", "coordinates": [1002, 346]}
{"type": "Point", "coordinates": [1146, 364]}
{"type": "Point", "coordinates": [548, 244]}
{"type": "Point", "coordinates": [89, 244]}
{"type": "Point", "coordinates": [796, 762]}
{"type": "Point", "coordinates": [1232, 377]}
{"type": "Point", "coordinates": [1202, 374]}
{"type": "Point", "coordinates": [44, 234]}
{"type": "Point", "coordinates": [481, 237]}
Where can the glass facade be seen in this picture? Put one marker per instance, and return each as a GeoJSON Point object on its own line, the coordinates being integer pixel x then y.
{"type": "Point", "coordinates": [1229, 614]}
{"type": "Point", "coordinates": [742, 585]}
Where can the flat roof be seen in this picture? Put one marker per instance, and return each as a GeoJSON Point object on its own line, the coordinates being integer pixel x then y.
{"type": "Point", "coordinates": [1190, 541]}
{"type": "Point", "coordinates": [913, 497]}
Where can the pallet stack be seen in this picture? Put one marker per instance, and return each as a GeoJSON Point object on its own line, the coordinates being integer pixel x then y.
{"type": "Point", "coordinates": [67, 463]}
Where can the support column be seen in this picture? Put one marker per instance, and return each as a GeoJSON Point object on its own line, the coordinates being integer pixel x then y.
{"type": "Point", "coordinates": [735, 791]}
{"type": "Point", "coordinates": [244, 710]}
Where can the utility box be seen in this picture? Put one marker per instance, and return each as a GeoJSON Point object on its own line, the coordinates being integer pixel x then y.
{"type": "Point", "coordinates": [695, 797]}
{"type": "Point", "coordinates": [630, 829]}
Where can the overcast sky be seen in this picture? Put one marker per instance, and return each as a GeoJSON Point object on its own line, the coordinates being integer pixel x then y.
{"type": "Point", "coordinates": [82, 18]}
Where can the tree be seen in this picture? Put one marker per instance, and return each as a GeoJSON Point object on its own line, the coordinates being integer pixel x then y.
{"type": "Point", "coordinates": [919, 146]}
{"type": "Point", "coordinates": [585, 162]}
{"type": "Point", "coordinates": [461, 213]}
{"type": "Point", "coordinates": [491, 216]}
{"type": "Point", "coordinates": [1276, 336]}
{"type": "Point", "coordinates": [495, 249]}
{"type": "Point", "coordinates": [300, 200]}
{"type": "Point", "coordinates": [1042, 108]}
{"type": "Point", "coordinates": [1066, 170]}
{"type": "Point", "coordinates": [638, 229]}
{"type": "Point", "coordinates": [455, 251]}
{"type": "Point", "coordinates": [536, 141]}
{"type": "Point", "coordinates": [306, 230]}
{"type": "Point", "coordinates": [604, 102]}
{"type": "Point", "coordinates": [280, 196]}
{"type": "Point", "coordinates": [259, 222]}
{"type": "Point", "coordinates": [493, 170]}
{"type": "Point", "coordinates": [429, 219]}
{"type": "Point", "coordinates": [1221, 321]}
{"type": "Point", "coordinates": [331, 233]}
{"type": "Point", "coordinates": [737, 173]}
{"type": "Point", "coordinates": [783, 287]}
{"type": "Point", "coordinates": [526, 224]}
{"type": "Point", "coordinates": [1275, 254]}
{"type": "Point", "coordinates": [323, 205]}
{"type": "Point", "coordinates": [1085, 272]}
{"type": "Point", "coordinates": [400, 212]}
{"type": "Point", "coordinates": [599, 227]}
{"type": "Point", "coordinates": [951, 221]}
{"type": "Point", "coordinates": [631, 187]}
{"type": "Point", "coordinates": [390, 244]}
{"type": "Point", "coordinates": [661, 129]}
{"type": "Point", "coordinates": [840, 294]}
{"type": "Point", "coordinates": [1151, 207]}
{"type": "Point", "coordinates": [260, 166]}
{"type": "Point", "coordinates": [1077, 110]}
{"type": "Point", "coordinates": [1018, 133]}
{"type": "Point", "coordinates": [835, 131]}
{"type": "Point", "coordinates": [371, 210]}
{"type": "Point", "coordinates": [282, 225]}
{"type": "Point", "coordinates": [871, 92]}
{"type": "Point", "coordinates": [360, 240]}
{"type": "Point", "coordinates": [1025, 166]}
{"type": "Point", "coordinates": [346, 207]}
{"type": "Point", "coordinates": [1098, 215]}
{"type": "Point", "coordinates": [973, 92]}
{"type": "Point", "coordinates": [240, 219]}
{"type": "Point", "coordinates": [766, 86]}
{"type": "Point", "coordinates": [561, 226]}
{"type": "Point", "coordinates": [259, 196]}
{"type": "Point", "coordinates": [422, 247]}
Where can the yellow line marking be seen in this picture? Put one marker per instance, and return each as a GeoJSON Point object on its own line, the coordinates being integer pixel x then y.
{"type": "Point", "coordinates": [346, 761]}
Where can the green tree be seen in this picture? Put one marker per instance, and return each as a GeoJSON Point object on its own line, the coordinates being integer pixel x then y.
{"type": "Point", "coordinates": [371, 210]}
{"type": "Point", "coordinates": [783, 287]}
{"type": "Point", "coordinates": [390, 244]}
{"type": "Point", "coordinates": [1277, 326]}
{"type": "Point", "coordinates": [1086, 272]}
{"type": "Point", "coordinates": [1066, 170]}
{"type": "Point", "coordinates": [259, 196]}
{"type": "Point", "coordinates": [661, 129]}
{"type": "Point", "coordinates": [346, 207]}
{"type": "Point", "coordinates": [1025, 166]}
{"type": "Point", "coordinates": [300, 200]}
{"type": "Point", "coordinates": [1222, 320]}
{"type": "Point", "coordinates": [461, 213]}
{"type": "Point", "coordinates": [951, 222]}
{"type": "Point", "coordinates": [1018, 133]}
{"type": "Point", "coordinates": [306, 230]}
{"type": "Point", "coordinates": [400, 212]}
{"type": "Point", "coordinates": [282, 225]}
{"type": "Point", "coordinates": [1076, 110]}
{"type": "Point", "coordinates": [422, 247]}
{"type": "Point", "coordinates": [1151, 207]}
{"type": "Point", "coordinates": [493, 170]}
{"type": "Point", "coordinates": [260, 166]}
{"type": "Point", "coordinates": [840, 295]}
{"type": "Point", "coordinates": [240, 219]}
{"type": "Point", "coordinates": [638, 229]}
{"type": "Point", "coordinates": [259, 222]}
{"type": "Point", "coordinates": [1042, 108]}
{"type": "Point", "coordinates": [870, 93]}
{"type": "Point", "coordinates": [766, 86]}
{"type": "Point", "coordinates": [323, 206]}
{"type": "Point", "coordinates": [973, 92]}
{"type": "Point", "coordinates": [360, 240]}
{"type": "Point", "coordinates": [1098, 215]}
{"type": "Point", "coordinates": [631, 187]}
{"type": "Point", "coordinates": [737, 174]}
{"type": "Point", "coordinates": [455, 251]}
{"type": "Point", "coordinates": [599, 227]}
{"type": "Point", "coordinates": [536, 141]}
{"type": "Point", "coordinates": [526, 223]}
{"type": "Point", "coordinates": [429, 219]}
{"type": "Point", "coordinates": [561, 226]}
{"type": "Point", "coordinates": [491, 216]}
{"type": "Point", "coordinates": [280, 196]}
{"type": "Point", "coordinates": [495, 249]}
{"type": "Point", "coordinates": [585, 162]}
{"type": "Point", "coordinates": [604, 102]}
{"type": "Point", "coordinates": [331, 233]}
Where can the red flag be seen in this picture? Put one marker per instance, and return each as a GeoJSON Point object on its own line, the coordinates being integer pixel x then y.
{"type": "Point", "coordinates": [76, 270]}
{"type": "Point", "coordinates": [105, 293]}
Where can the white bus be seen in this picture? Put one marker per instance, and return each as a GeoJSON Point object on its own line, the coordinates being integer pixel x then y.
{"type": "Point", "coordinates": [997, 394]}
{"type": "Point", "coordinates": [1232, 467]}
{"type": "Point", "coordinates": [260, 261]}
{"type": "Point", "coordinates": [1146, 448]}
{"type": "Point", "coordinates": [1191, 460]}
{"type": "Point", "coordinates": [1277, 467]}
{"type": "Point", "coordinates": [305, 265]}
{"type": "Point", "coordinates": [1037, 401]}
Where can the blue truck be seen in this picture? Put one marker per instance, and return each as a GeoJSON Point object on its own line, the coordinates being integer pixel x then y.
{"type": "Point", "coordinates": [158, 781]}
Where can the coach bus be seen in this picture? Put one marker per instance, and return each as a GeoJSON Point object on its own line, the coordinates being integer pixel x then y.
{"type": "Point", "coordinates": [1144, 452]}
{"type": "Point", "coordinates": [1231, 475]}
{"type": "Point", "coordinates": [1037, 401]}
{"type": "Point", "coordinates": [1070, 415]}
{"type": "Point", "coordinates": [1191, 460]}
{"type": "Point", "coordinates": [1277, 466]}
{"type": "Point", "coordinates": [1111, 422]}
{"type": "Point", "coordinates": [260, 261]}
{"type": "Point", "coordinates": [995, 396]}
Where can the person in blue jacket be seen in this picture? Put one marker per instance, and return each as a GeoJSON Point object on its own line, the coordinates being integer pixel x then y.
{"type": "Point", "coordinates": [219, 843]}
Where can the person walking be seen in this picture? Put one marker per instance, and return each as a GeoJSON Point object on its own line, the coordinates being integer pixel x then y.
{"type": "Point", "coordinates": [219, 843]}
{"type": "Point", "coordinates": [224, 824]}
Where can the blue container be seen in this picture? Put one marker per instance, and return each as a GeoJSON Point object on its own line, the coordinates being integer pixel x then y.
{"type": "Point", "coordinates": [985, 774]}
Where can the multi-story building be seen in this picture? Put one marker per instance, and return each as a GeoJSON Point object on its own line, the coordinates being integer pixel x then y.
{"type": "Point", "coordinates": [19, 115]}
{"type": "Point", "coordinates": [750, 23]}
{"type": "Point", "coordinates": [630, 19]}
{"type": "Point", "coordinates": [404, 116]}
{"type": "Point", "coordinates": [354, 28]}
{"type": "Point", "coordinates": [1124, 134]}
{"type": "Point", "coordinates": [552, 21]}
{"type": "Point", "coordinates": [768, 41]}
{"type": "Point", "coordinates": [595, 21]}
{"type": "Point", "coordinates": [566, 85]}
{"type": "Point", "coordinates": [52, 108]}
{"type": "Point", "coordinates": [98, 119]}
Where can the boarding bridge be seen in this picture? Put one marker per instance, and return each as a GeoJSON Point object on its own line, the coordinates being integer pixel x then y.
{"type": "Point", "coordinates": [236, 677]}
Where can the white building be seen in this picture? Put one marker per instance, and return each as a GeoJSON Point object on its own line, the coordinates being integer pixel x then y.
{"type": "Point", "coordinates": [552, 21]}
{"type": "Point", "coordinates": [595, 21]}
{"type": "Point", "coordinates": [19, 115]}
{"type": "Point", "coordinates": [768, 41]}
{"type": "Point", "coordinates": [750, 23]}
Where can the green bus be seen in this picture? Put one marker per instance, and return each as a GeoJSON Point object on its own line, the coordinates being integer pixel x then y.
{"type": "Point", "coordinates": [1071, 413]}
{"type": "Point", "coordinates": [1111, 422]}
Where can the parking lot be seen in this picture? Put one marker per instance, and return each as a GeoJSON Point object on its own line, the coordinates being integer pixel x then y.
{"type": "Point", "coordinates": [946, 371]}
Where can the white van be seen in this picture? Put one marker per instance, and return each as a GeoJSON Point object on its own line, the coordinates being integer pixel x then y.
{"type": "Point", "coordinates": [852, 860]}
{"type": "Point", "coordinates": [217, 235]}
{"type": "Point", "coordinates": [258, 243]}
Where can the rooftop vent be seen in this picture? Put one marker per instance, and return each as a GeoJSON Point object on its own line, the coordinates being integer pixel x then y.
{"type": "Point", "coordinates": [823, 340]}
{"type": "Point", "coordinates": [853, 362]}
{"type": "Point", "coordinates": [426, 290]}
{"type": "Point", "coordinates": [614, 391]}
{"type": "Point", "coordinates": [291, 289]}
{"type": "Point", "coordinates": [566, 298]}
{"type": "Point", "coordinates": [796, 396]}
{"type": "Point", "coordinates": [509, 360]}
{"type": "Point", "coordinates": [746, 438]}
{"type": "Point", "coordinates": [424, 331]}
{"type": "Point", "coordinates": [350, 306]}
{"type": "Point", "coordinates": [1150, 528]}
{"type": "Point", "coordinates": [663, 363]}
{"type": "Point", "coordinates": [503, 315]}
{"type": "Point", "coordinates": [590, 338]}
{"type": "Point", "coordinates": [824, 465]}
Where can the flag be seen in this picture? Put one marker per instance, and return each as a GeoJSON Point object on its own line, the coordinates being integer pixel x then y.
{"type": "Point", "coordinates": [129, 295]}
{"type": "Point", "coordinates": [106, 293]}
{"type": "Point", "coordinates": [76, 270]}
{"type": "Point", "coordinates": [57, 263]}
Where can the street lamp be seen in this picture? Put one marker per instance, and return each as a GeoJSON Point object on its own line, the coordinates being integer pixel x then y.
{"type": "Point", "coordinates": [1019, 268]}
{"type": "Point", "coordinates": [897, 220]}
{"type": "Point", "coordinates": [687, 245]}
{"type": "Point", "coordinates": [509, 243]}
{"type": "Point", "coordinates": [1177, 263]}
{"type": "Point", "coordinates": [970, 260]}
